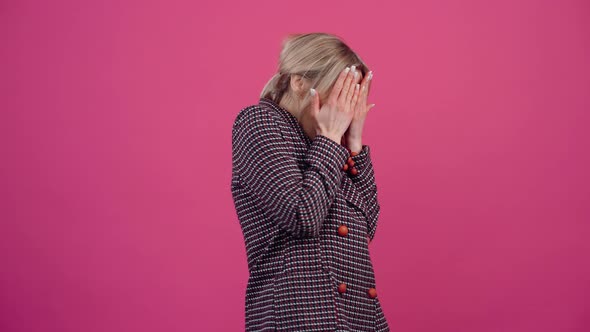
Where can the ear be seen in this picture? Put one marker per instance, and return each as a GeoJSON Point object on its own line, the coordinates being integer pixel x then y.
{"type": "Point", "coordinates": [297, 84]}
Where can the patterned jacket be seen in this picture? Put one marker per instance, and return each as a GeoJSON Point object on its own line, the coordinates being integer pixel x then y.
{"type": "Point", "coordinates": [306, 223]}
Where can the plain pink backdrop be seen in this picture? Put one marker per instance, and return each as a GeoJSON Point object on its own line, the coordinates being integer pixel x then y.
{"type": "Point", "coordinates": [116, 211]}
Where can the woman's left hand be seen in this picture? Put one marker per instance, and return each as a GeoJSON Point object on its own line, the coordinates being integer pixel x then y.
{"type": "Point", "coordinates": [352, 138]}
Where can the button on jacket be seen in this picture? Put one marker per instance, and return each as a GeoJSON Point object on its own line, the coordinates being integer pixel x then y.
{"type": "Point", "coordinates": [306, 218]}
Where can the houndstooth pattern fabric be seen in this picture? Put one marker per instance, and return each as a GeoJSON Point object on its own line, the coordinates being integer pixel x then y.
{"type": "Point", "coordinates": [291, 196]}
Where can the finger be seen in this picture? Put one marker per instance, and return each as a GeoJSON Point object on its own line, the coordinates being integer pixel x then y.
{"type": "Point", "coordinates": [365, 87]}
{"type": "Point", "coordinates": [315, 101]}
{"type": "Point", "coordinates": [344, 93]}
{"type": "Point", "coordinates": [352, 87]}
{"type": "Point", "coordinates": [338, 85]}
{"type": "Point", "coordinates": [355, 96]}
{"type": "Point", "coordinates": [370, 82]}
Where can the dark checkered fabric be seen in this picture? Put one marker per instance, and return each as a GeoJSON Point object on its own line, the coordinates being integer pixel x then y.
{"type": "Point", "coordinates": [291, 196]}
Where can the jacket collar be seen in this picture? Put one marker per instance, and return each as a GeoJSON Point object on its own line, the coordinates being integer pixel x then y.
{"type": "Point", "coordinates": [287, 116]}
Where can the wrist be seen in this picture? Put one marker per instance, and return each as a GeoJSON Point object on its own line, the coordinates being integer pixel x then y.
{"type": "Point", "coordinates": [333, 137]}
{"type": "Point", "coordinates": [355, 147]}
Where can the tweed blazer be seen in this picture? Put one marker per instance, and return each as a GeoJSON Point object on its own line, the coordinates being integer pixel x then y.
{"type": "Point", "coordinates": [306, 223]}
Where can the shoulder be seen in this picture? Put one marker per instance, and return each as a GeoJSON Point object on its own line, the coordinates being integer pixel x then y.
{"type": "Point", "coordinates": [255, 115]}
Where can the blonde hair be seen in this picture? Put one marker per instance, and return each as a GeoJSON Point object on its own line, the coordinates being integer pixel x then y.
{"type": "Point", "coordinates": [319, 57]}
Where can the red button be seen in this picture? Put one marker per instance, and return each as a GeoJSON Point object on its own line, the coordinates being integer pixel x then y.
{"type": "Point", "coordinates": [350, 162]}
{"type": "Point", "coordinates": [353, 171]}
{"type": "Point", "coordinates": [345, 167]}
{"type": "Point", "coordinates": [342, 230]}
{"type": "Point", "coordinates": [372, 293]}
{"type": "Point", "coordinates": [354, 153]}
{"type": "Point", "coordinates": [342, 288]}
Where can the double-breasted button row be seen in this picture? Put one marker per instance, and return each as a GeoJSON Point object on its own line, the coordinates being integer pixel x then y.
{"type": "Point", "coordinates": [371, 292]}
{"type": "Point", "coordinates": [343, 229]}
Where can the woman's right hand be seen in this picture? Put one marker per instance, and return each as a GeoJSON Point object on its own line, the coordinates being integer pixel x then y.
{"type": "Point", "coordinates": [334, 117]}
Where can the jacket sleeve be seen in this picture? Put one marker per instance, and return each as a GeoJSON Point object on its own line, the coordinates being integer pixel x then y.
{"type": "Point", "coordinates": [296, 199]}
{"type": "Point", "coordinates": [364, 180]}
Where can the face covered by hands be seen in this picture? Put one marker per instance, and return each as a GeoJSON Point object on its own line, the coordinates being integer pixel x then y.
{"type": "Point", "coordinates": [352, 138]}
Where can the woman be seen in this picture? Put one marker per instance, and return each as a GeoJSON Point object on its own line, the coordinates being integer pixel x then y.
{"type": "Point", "coordinates": [305, 195]}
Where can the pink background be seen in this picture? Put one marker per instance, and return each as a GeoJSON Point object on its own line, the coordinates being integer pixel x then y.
{"type": "Point", "coordinates": [116, 211]}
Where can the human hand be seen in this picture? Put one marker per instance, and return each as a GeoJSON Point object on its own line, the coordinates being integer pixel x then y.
{"type": "Point", "coordinates": [335, 116]}
{"type": "Point", "coordinates": [352, 138]}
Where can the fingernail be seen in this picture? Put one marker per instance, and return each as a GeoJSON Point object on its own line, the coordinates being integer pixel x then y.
{"type": "Point", "coordinates": [370, 75]}
{"type": "Point", "coordinates": [356, 74]}
{"type": "Point", "coordinates": [312, 91]}
{"type": "Point", "coordinates": [358, 86]}
{"type": "Point", "coordinates": [346, 70]}
{"type": "Point", "coordinates": [353, 68]}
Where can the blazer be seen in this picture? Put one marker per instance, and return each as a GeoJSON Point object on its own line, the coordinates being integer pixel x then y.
{"type": "Point", "coordinates": [306, 223]}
